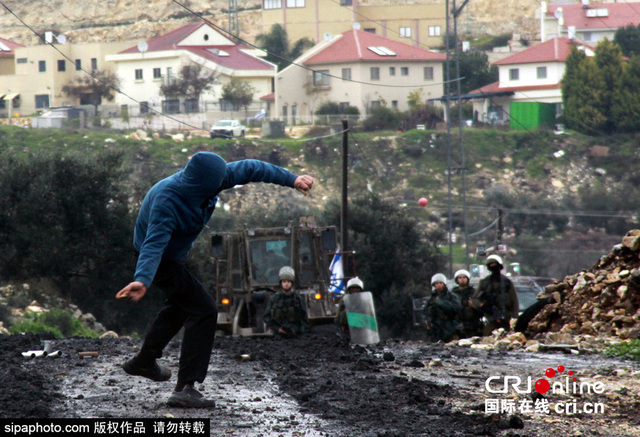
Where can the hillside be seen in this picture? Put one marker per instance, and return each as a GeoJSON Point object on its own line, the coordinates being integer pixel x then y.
{"type": "Point", "coordinates": [135, 20]}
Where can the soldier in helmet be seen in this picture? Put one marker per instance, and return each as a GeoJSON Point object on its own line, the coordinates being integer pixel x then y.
{"type": "Point", "coordinates": [496, 297]}
{"type": "Point", "coordinates": [470, 317]}
{"type": "Point", "coordinates": [286, 313]}
{"type": "Point", "coordinates": [355, 285]}
{"type": "Point", "coordinates": [442, 311]}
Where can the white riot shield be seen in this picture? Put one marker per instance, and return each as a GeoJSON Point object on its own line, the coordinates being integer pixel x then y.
{"type": "Point", "coordinates": [361, 315]}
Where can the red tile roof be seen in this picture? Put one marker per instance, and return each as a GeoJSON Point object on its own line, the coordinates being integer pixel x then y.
{"type": "Point", "coordinates": [620, 15]}
{"type": "Point", "coordinates": [236, 59]}
{"type": "Point", "coordinates": [353, 46]}
{"type": "Point", "coordinates": [495, 87]}
{"type": "Point", "coordinates": [553, 50]}
{"type": "Point", "coordinates": [11, 46]}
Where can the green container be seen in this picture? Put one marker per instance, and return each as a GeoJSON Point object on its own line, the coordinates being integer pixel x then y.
{"type": "Point", "coordinates": [531, 115]}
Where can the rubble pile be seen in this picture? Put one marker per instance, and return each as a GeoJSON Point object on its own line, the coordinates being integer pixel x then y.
{"type": "Point", "coordinates": [601, 301]}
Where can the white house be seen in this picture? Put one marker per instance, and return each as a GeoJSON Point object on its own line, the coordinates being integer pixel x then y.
{"type": "Point", "coordinates": [360, 69]}
{"type": "Point", "coordinates": [586, 22]}
{"type": "Point", "coordinates": [143, 68]}
{"type": "Point", "coordinates": [532, 75]}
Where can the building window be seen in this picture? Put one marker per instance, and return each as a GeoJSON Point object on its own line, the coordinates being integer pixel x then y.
{"type": "Point", "coordinates": [345, 2]}
{"type": "Point", "coordinates": [541, 72]}
{"type": "Point", "coordinates": [78, 65]}
{"type": "Point", "coordinates": [138, 74]}
{"type": "Point", "coordinates": [21, 61]}
{"type": "Point", "coordinates": [370, 30]}
{"type": "Point", "coordinates": [272, 4]}
{"type": "Point", "coordinates": [394, 104]}
{"type": "Point", "coordinates": [375, 73]}
{"type": "Point", "coordinates": [392, 71]}
{"type": "Point", "coordinates": [514, 73]}
{"type": "Point", "coordinates": [285, 112]}
{"type": "Point", "coordinates": [157, 73]}
{"type": "Point", "coordinates": [169, 75]}
{"type": "Point", "coordinates": [42, 100]}
{"type": "Point", "coordinates": [321, 78]}
{"type": "Point", "coordinates": [405, 32]}
{"type": "Point", "coordinates": [587, 36]}
{"type": "Point", "coordinates": [375, 104]}
{"type": "Point", "coordinates": [404, 71]}
{"type": "Point", "coordinates": [94, 64]}
{"type": "Point", "coordinates": [295, 3]}
{"type": "Point", "coordinates": [434, 30]}
{"type": "Point", "coordinates": [428, 73]}
{"type": "Point", "coordinates": [144, 107]}
{"type": "Point", "coordinates": [62, 66]}
{"type": "Point", "coordinates": [346, 74]}
{"type": "Point", "coordinates": [343, 106]}
{"type": "Point", "coordinates": [42, 66]}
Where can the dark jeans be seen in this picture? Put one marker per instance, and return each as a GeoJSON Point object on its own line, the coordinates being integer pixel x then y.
{"type": "Point", "coordinates": [190, 306]}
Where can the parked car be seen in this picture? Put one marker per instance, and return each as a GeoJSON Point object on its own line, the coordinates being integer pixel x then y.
{"type": "Point", "coordinates": [528, 288]}
{"type": "Point", "coordinates": [227, 129]}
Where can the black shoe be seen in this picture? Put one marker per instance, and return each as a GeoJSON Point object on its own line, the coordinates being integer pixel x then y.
{"type": "Point", "coordinates": [155, 372]}
{"type": "Point", "coordinates": [189, 397]}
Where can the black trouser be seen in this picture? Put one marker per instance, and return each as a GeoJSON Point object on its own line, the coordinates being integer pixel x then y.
{"type": "Point", "coordinates": [188, 304]}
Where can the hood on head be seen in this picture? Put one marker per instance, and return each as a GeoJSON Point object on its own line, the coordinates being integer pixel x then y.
{"type": "Point", "coordinates": [203, 175]}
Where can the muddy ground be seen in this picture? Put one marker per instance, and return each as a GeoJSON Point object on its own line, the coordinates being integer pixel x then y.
{"type": "Point", "coordinates": [322, 386]}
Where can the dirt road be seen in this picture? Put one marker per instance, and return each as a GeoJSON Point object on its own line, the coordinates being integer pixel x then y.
{"type": "Point", "coordinates": [323, 386]}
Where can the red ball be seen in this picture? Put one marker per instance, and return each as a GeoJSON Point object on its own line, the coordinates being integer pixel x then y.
{"type": "Point", "coordinates": [423, 201]}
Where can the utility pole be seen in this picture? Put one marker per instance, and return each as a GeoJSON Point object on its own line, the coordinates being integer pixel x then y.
{"type": "Point", "coordinates": [234, 28]}
{"type": "Point", "coordinates": [344, 232]}
{"type": "Point", "coordinates": [447, 116]}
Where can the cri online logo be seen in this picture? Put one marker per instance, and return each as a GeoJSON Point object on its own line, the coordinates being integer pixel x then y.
{"type": "Point", "coordinates": [567, 385]}
{"type": "Point", "coordinates": [542, 385]}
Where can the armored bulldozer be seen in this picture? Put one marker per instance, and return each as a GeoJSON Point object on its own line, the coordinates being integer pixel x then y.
{"type": "Point", "coordinates": [247, 265]}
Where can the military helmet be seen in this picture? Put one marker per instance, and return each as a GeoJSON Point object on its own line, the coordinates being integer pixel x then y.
{"type": "Point", "coordinates": [494, 258]}
{"type": "Point", "coordinates": [461, 272]}
{"type": "Point", "coordinates": [287, 274]}
{"type": "Point", "coordinates": [438, 277]}
{"type": "Point", "coordinates": [355, 282]}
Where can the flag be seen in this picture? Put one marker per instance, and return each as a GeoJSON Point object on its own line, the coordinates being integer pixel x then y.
{"type": "Point", "coordinates": [260, 114]}
{"type": "Point", "coordinates": [337, 282]}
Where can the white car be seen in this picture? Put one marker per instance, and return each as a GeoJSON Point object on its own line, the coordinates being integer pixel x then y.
{"type": "Point", "coordinates": [227, 129]}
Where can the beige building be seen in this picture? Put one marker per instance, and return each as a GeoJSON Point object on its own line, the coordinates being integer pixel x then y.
{"type": "Point", "coordinates": [358, 69]}
{"type": "Point", "coordinates": [40, 72]}
{"type": "Point", "coordinates": [421, 23]}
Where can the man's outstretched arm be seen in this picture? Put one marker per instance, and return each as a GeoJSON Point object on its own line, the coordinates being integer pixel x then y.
{"type": "Point", "coordinates": [303, 183]}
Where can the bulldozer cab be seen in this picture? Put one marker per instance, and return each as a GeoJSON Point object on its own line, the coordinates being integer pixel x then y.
{"type": "Point", "coordinates": [248, 262]}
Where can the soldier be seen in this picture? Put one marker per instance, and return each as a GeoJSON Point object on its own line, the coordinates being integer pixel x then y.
{"type": "Point", "coordinates": [285, 313]}
{"type": "Point", "coordinates": [470, 317]}
{"type": "Point", "coordinates": [442, 311]}
{"type": "Point", "coordinates": [496, 297]}
{"type": "Point", "coordinates": [355, 285]}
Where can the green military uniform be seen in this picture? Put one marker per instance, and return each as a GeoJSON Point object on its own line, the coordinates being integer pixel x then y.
{"type": "Point", "coordinates": [341, 316]}
{"type": "Point", "coordinates": [498, 301]}
{"type": "Point", "coordinates": [287, 311]}
{"type": "Point", "coordinates": [471, 318]}
{"type": "Point", "coordinates": [442, 312]}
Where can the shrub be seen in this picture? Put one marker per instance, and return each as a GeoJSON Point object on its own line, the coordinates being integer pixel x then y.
{"type": "Point", "coordinates": [382, 118]}
{"type": "Point", "coordinates": [60, 323]}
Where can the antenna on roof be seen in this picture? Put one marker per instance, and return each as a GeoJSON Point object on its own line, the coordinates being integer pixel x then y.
{"type": "Point", "coordinates": [61, 39]}
{"type": "Point", "coordinates": [328, 36]}
{"type": "Point", "coordinates": [143, 46]}
{"type": "Point", "coordinates": [356, 25]}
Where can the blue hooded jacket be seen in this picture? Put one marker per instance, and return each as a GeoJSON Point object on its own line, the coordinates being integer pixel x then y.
{"type": "Point", "coordinates": [176, 209]}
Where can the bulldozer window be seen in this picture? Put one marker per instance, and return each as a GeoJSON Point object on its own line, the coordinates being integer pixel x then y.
{"type": "Point", "coordinates": [306, 261]}
{"type": "Point", "coordinates": [268, 257]}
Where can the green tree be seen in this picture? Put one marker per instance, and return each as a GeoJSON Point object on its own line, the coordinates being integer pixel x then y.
{"type": "Point", "coordinates": [191, 82]}
{"type": "Point", "coordinates": [91, 89]}
{"type": "Point", "coordinates": [476, 71]}
{"type": "Point", "coordinates": [610, 68]}
{"type": "Point", "coordinates": [628, 38]}
{"type": "Point", "coordinates": [626, 111]}
{"type": "Point", "coordinates": [238, 93]}
{"type": "Point", "coordinates": [276, 44]}
{"type": "Point", "coordinates": [394, 256]}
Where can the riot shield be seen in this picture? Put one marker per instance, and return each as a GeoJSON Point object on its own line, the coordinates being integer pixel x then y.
{"type": "Point", "coordinates": [361, 315]}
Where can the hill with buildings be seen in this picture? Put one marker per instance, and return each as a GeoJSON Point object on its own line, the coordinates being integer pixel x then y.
{"type": "Point", "coordinates": [134, 20]}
